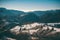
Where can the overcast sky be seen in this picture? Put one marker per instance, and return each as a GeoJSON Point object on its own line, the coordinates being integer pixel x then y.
{"type": "Point", "coordinates": [29, 5]}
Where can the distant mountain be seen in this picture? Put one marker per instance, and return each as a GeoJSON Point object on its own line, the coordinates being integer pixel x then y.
{"type": "Point", "coordinates": [51, 16]}
{"type": "Point", "coordinates": [30, 18]}
{"type": "Point", "coordinates": [21, 17]}
{"type": "Point", "coordinates": [10, 15]}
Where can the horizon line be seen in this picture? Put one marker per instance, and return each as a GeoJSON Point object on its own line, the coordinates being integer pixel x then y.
{"type": "Point", "coordinates": [30, 10]}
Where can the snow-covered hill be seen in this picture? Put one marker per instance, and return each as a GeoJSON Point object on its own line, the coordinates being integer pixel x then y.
{"type": "Point", "coordinates": [34, 27]}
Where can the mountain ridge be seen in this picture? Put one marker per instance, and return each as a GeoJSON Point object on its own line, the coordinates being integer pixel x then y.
{"type": "Point", "coordinates": [50, 16]}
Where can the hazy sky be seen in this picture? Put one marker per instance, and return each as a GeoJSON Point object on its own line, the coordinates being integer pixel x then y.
{"type": "Point", "coordinates": [29, 5]}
